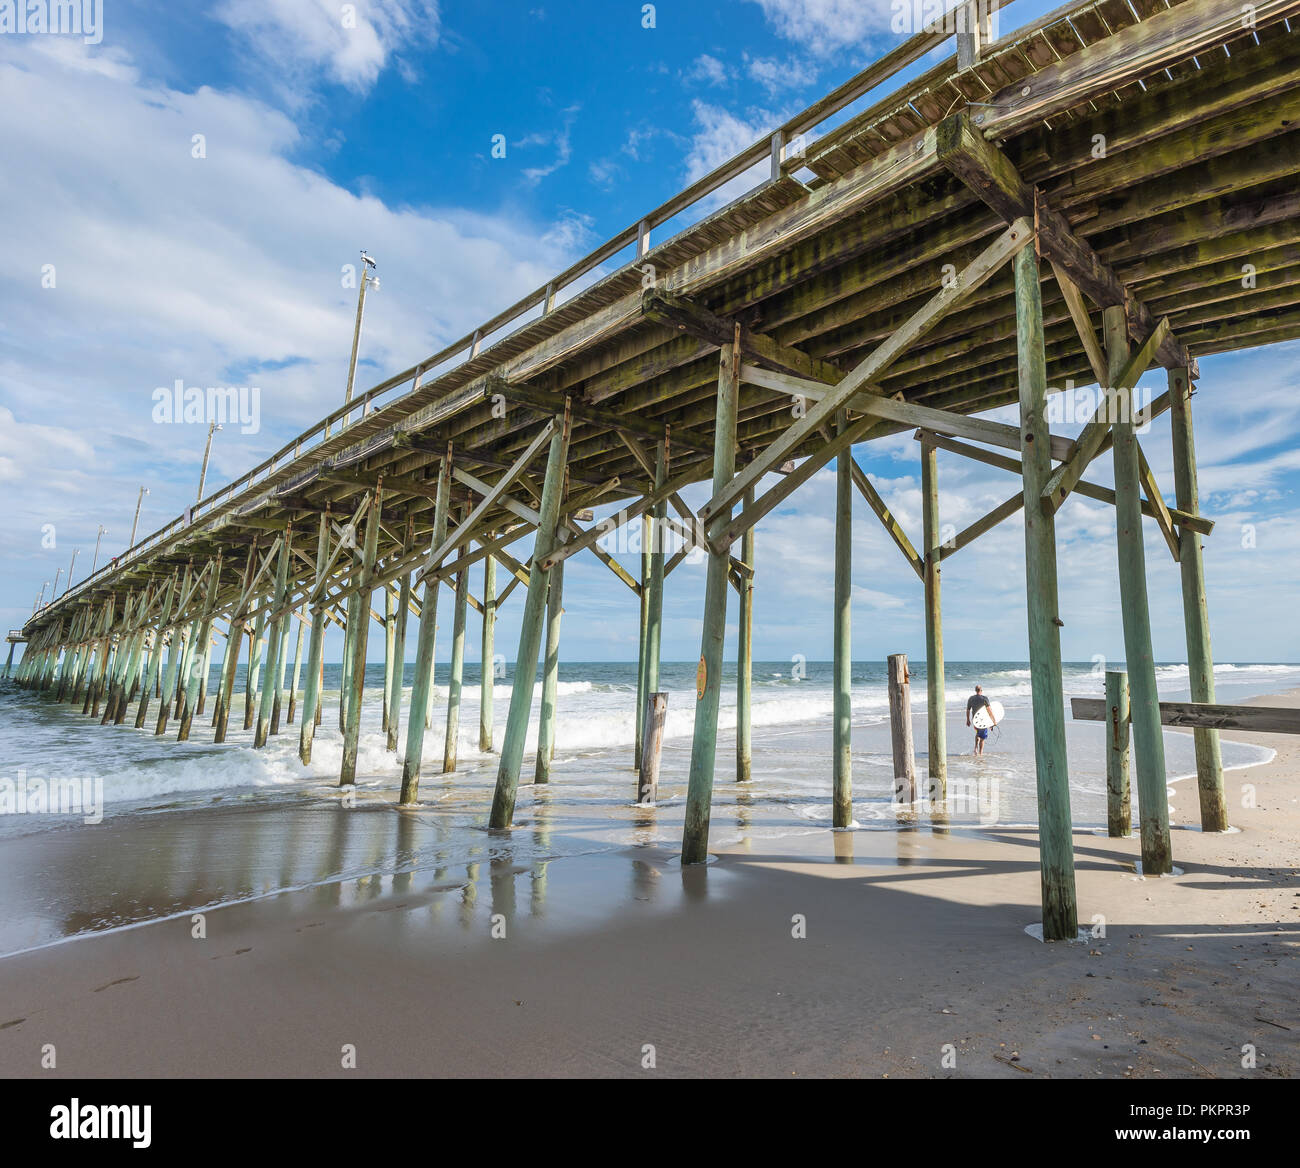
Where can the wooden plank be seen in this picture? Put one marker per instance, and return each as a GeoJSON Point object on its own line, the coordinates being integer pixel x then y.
{"type": "Point", "coordinates": [1204, 715]}
{"type": "Point", "coordinates": [1160, 41]}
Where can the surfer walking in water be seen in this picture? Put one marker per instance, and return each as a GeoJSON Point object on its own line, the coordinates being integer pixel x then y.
{"type": "Point", "coordinates": [976, 702]}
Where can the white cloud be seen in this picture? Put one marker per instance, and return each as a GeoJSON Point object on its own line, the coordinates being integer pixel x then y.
{"type": "Point", "coordinates": [708, 70]}
{"type": "Point", "coordinates": [777, 75]}
{"type": "Point", "coordinates": [348, 43]}
{"type": "Point", "coordinates": [224, 270]}
{"type": "Point", "coordinates": [824, 26]}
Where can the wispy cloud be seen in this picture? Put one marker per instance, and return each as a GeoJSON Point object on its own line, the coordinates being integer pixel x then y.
{"type": "Point", "coordinates": [345, 43]}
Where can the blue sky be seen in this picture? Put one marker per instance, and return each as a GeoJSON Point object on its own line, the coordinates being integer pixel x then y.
{"type": "Point", "coordinates": [320, 140]}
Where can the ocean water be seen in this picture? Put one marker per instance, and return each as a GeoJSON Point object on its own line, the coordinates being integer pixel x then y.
{"type": "Point", "coordinates": [193, 825]}
{"type": "Point", "coordinates": [595, 731]}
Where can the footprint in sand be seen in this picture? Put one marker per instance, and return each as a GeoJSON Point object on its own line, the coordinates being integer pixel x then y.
{"type": "Point", "coordinates": [119, 981]}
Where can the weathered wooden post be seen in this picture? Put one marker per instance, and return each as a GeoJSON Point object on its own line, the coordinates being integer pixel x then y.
{"type": "Point", "coordinates": [297, 667]}
{"type": "Point", "coordinates": [1119, 820]}
{"type": "Point", "coordinates": [745, 657]}
{"type": "Point", "coordinates": [900, 728]}
{"type": "Point", "coordinates": [390, 645]}
{"type": "Point", "coordinates": [487, 679]}
{"type": "Point", "coordinates": [935, 697]}
{"type": "Point", "coordinates": [275, 639]}
{"type": "Point", "coordinates": [354, 620]}
{"type": "Point", "coordinates": [1196, 619]}
{"type": "Point", "coordinates": [234, 644]}
{"type": "Point", "coordinates": [1056, 851]}
{"type": "Point", "coordinates": [365, 586]}
{"type": "Point", "coordinates": [530, 630]}
{"type": "Point", "coordinates": [551, 675]}
{"type": "Point", "coordinates": [842, 667]}
{"type": "Point", "coordinates": [642, 687]}
{"type": "Point", "coordinates": [648, 777]}
{"type": "Point", "coordinates": [653, 587]}
{"type": "Point", "coordinates": [254, 674]}
{"type": "Point", "coordinates": [316, 648]}
{"type": "Point", "coordinates": [199, 660]}
{"type": "Point", "coordinates": [422, 683]}
{"type": "Point", "coordinates": [155, 658]}
{"type": "Point", "coordinates": [204, 674]}
{"type": "Point", "coordinates": [398, 675]}
{"type": "Point", "coordinates": [708, 684]}
{"type": "Point", "coordinates": [456, 679]}
{"type": "Point", "coordinates": [189, 647]}
{"type": "Point", "coordinates": [174, 654]}
{"type": "Point", "coordinates": [1148, 739]}
{"type": "Point", "coordinates": [281, 665]}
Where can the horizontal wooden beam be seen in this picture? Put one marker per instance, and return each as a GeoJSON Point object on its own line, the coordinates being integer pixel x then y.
{"type": "Point", "coordinates": [1203, 715]}
{"type": "Point", "coordinates": [1197, 523]}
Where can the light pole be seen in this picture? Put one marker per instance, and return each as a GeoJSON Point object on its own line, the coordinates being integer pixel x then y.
{"type": "Point", "coordinates": [55, 590]}
{"type": "Point", "coordinates": [207, 450]}
{"type": "Point", "coordinates": [98, 537]}
{"type": "Point", "coordinates": [71, 566]}
{"type": "Point", "coordinates": [367, 263]}
{"type": "Point", "coordinates": [134, 522]}
{"type": "Point", "coordinates": [40, 603]}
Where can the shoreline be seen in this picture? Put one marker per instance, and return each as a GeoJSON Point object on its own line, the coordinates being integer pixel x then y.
{"type": "Point", "coordinates": [609, 949]}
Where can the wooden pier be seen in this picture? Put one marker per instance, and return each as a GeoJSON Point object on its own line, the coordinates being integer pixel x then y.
{"type": "Point", "coordinates": [1111, 189]}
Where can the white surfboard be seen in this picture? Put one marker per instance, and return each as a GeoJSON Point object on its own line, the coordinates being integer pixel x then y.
{"type": "Point", "coordinates": [987, 716]}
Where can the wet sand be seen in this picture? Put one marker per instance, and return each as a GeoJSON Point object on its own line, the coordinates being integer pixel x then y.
{"type": "Point", "coordinates": [915, 962]}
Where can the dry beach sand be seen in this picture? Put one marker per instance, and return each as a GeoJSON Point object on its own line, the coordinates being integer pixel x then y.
{"type": "Point", "coordinates": [915, 961]}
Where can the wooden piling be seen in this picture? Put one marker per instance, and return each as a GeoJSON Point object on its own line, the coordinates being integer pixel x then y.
{"type": "Point", "coordinates": [1119, 819]}
{"type": "Point", "coordinates": [226, 693]}
{"type": "Point", "coordinates": [551, 676]}
{"type": "Point", "coordinates": [274, 641]}
{"type": "Point", "coordinates": [199, 660]}
{"type": "Point", "coordinates": [708, 684]}
{"type": "Point", "coordinates": [156, 656]}
{"type": "Point", "coordinates": [842, 665]}
{"type": "Point", "coordinates": [390, 645]}
{"type": "Point", "coordinates": [456, 678]}
{"type": "Point", "coordinates": [281, 665]}
{"type": "Point", "coordinates": [422, 684]}
{"type": "Point", "coordinates": [1055, 843]}
{"type": "Point", "coordinates": [642, 685]}
{"type": "Point", "coordinates": [1148, 740]}
{"type": "Point", "coordinates": [397, 679]}
{"type": "Point", "coordinates": [1196, 619]}
{"type": "Point", "coordinates": [487, 679]}
{"type": "Point", "coordinates": [530, 631]}
{"type": "Point", "coordinates": [653, 589]}
{"type": "Point", "coordinates": [900, 728]}
{"type": "Point", "coordinates": [745, 657]}
{"type": "Point", "coordinates": [935, 698]}
{"type": "Point", "coordinates": [316, 647]}
{"type": "Point", "coordinates": [357, 681]}
{"type": "Point", "coordinates": [297, 668]}
{"type": "Point", "coordinates": [254, 673]}
{"type": "Point", "coordinates": [648, 772]}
